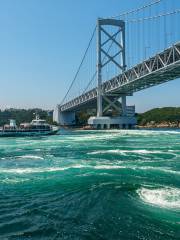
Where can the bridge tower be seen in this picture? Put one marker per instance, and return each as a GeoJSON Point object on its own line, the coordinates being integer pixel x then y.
{"type": "Point", "coordinates": [118, 58]}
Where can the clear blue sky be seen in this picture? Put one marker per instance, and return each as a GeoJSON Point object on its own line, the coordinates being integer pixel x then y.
{"type": "Point", "coordinates": [41, 45]}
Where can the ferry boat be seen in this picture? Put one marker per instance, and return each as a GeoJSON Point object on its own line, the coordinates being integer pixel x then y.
{"type": "Point", "coordinates": [38, 127]}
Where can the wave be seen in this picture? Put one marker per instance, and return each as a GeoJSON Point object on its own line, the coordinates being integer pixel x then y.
{"type": "Point", "coordinates": [56, 169]}
{"type": "Point", "coordinates": [140, 151]}
{"type": "Point", "coordinates": [134, 132]}
{"type": "Point", "coordinates": [30, 157]}
{"type": "Point", "coordinates": [162, 197]}
{"type": "Point", "coordinates": [168, 170]}
{"type": "Point", "coordinates": [25, 157]}
{"type": "Point", "coordinates": [40, 170]}
{"type": "Point", "coordinates": [88, 166]}
{"type": "Point", "coordinates": [92, 137]}
{"type": "Point", "coordinates": [14, 181]}
{"type": "Point", "coordinates": [33, 170]}
{"type": "Point", "coordinates": [108, 167]}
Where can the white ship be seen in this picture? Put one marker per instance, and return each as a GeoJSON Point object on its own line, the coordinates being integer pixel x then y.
{"type": "Point", "coordinates": [38, 127]}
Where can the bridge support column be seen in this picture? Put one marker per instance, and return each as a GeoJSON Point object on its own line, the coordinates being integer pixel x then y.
{"type": "Point", "coordinates": [123, 102]}
{"type": "Point", "coordinates": [99, 71]}
{"type": "Point", "coordinates": [64, 118]}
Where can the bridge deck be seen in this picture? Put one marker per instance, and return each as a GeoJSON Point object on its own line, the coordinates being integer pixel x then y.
{"type": "Point", "coordinates": [162, 67]}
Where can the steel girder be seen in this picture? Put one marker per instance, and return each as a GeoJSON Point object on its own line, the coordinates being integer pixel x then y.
{"type": "Point", "coordinates": [163, 67]}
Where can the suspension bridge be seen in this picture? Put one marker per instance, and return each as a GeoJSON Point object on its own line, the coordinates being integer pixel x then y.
{"type": "Point", "coordinates": [127, 53]}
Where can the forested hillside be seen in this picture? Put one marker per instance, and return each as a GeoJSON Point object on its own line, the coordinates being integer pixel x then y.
{"type": "Point", "coordinates": [160, 115]}
{"type": "Point", "coordinates": [22, 115]}
{"type": "Point", "coordinates": [167, 115]}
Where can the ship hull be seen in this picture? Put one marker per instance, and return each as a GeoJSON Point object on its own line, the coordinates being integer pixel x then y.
{"type": "Point", "coordinates": [27, 133]}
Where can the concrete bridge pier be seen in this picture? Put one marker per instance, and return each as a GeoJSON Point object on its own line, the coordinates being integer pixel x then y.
{"type": "Point", "coordinates": [119, 122]}
{"type": "Point", "coordinates": [64, 118]}
{"type": "Point", "coordinates": [126, 120]}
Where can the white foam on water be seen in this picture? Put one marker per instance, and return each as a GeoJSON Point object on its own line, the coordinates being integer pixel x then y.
{"type": "Point", "coordinates": [30, 157]}
{"type": "Point", "coordinates": [108, 167]}
{"type": "Point", "coordinates": [136, 132]}
{"type": "Point", "coordinates": [41, 170]}
{"type": "Point", "coordinates": [19, 149]}
{"type": "Point", "coordinates": [123, 152]}
{"type": "Point", "coordinates": [54, 141]}
{"type": "Point", "coordinates": [92, 137]}
{"type": "Point", "coordinates": [55, 169]}
{"type": "Point", "coordinates": [33, 170]}
{"type": "Point", "coordinates": [99, 166]}
{"type": "Point", "coordinates": [162, 169]}
{"type": "Point", "coordinates": [37, 149]}
{"type": "Point", "coordinates": [162, 197]}
{"type": "Point", "coordinates": [170, 171]}
{"type": "Point", "coordinates": [13, 181]}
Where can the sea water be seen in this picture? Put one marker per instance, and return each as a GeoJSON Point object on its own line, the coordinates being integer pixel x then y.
{"type": "Point", "coordinates": [113, 184]}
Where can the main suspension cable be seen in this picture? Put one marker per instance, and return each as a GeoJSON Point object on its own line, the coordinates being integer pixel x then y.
{"type": "Point", "coordinates": [137, 9]}
{"type": "Point", "coordinates": [154, 17]}
{"type": "Point", "coordinates": [81, 63]}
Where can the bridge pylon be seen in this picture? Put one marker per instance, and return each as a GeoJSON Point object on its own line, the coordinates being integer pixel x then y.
{"type": "Point", "coordinates": [118, 58]}
{"type": "Point", "coordinates": [106, 101]}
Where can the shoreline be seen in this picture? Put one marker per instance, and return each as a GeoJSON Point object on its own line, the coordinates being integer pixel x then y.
{"type": "Point", "coordinates": [139, 127]}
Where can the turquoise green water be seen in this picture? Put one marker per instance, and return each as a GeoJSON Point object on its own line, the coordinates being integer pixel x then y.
{"type": "Point", "coordinates": [91, 185]}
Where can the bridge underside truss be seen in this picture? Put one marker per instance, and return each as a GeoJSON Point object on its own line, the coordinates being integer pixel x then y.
{"type": "Point", "coordinates": [161, 68]}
